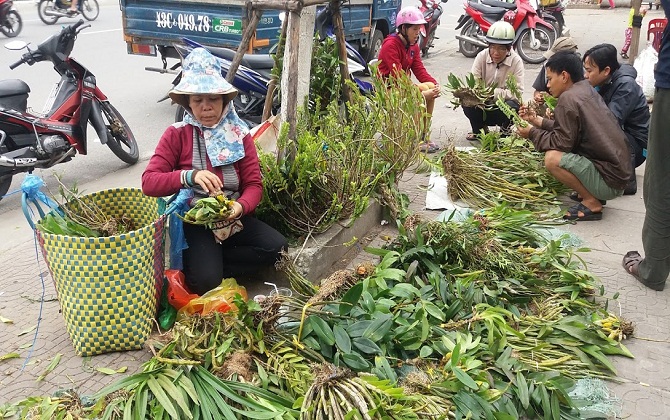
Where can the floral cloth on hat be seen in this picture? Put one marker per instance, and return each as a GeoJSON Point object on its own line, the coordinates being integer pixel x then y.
{"type": "Point", "coordinates": [223, 142]}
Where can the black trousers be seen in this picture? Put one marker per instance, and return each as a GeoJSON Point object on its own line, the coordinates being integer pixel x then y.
{"type": "Point", "coordinates": [637, 156]}
{"type": "Point", "coordinates": [480, 120]}
{"type": "Point", "coordinates": [207, 262]}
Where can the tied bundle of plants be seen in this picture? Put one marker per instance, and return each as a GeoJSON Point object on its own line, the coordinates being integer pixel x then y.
{"type": "Point", "coordinates": [515, 176]}
{"type": "Point", "coordinates": [82, 217]}
{"type": "Point", "coordinates": [342, 159]}
{"type": "Point", "coordinates": [471, 92]}
{"type": "Point", "coordinates": [208, 211]}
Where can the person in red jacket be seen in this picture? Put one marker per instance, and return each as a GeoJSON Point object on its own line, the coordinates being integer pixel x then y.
{"type": "Point", "coordinates": [400, 53]}
{"type": "Point", "coordinates": [211, 152]}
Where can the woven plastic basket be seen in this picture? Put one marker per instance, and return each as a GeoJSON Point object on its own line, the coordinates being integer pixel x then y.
{"type": "Point", "coordinates": [108, 287]}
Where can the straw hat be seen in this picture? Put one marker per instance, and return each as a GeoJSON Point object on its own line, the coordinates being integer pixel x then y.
{"type": "Point", "coordinates": [563, 43]}
{"type": "Point", "coordinates": [201, 74]}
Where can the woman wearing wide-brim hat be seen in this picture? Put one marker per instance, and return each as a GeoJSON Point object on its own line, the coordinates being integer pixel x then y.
{"type": "Point", "coordinates": [211, 151]}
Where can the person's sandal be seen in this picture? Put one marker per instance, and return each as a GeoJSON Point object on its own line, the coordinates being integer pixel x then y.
{"type": "Point", "coordinates": [471, 137]}
{"type": "Point", "coordinates": [575, 197]}
{"type": "Point", "coordinates": [624, 56]}
{"type": "Point", "coordinates": [587, 213]}
{"type": "Point", "coordinates": [631, 263]}
{"type": "Point", "coordinates": [428, 147]}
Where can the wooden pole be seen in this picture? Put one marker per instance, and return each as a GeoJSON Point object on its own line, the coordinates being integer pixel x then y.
{"type": "Point", "coordinates": [289, 82]}
{"type": "Point", "coordinates": [272, 86]}
{"type": "Point", "coordinates": [637, 24]}
{"type": "Point", "coordinates": [338, 27]}
{"type": "Point", "coordinates": [249, 30]}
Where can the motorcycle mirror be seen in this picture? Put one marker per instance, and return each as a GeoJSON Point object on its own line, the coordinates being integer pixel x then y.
{"type": "Point", "coordinates": [16, 45]}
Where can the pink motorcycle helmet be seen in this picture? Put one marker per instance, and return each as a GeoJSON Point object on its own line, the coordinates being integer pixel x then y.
{"type": "Point", "coordinates": [410, 15]}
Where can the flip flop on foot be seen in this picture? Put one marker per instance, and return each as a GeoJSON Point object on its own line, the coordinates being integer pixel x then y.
{"type": "Point", "coordinates": [631, 263]}
{"type": "Point", "coordinates": [471, 137]}
{"type": "Point", "coordinates": [428, 147]}
{"type": "Point", "coordinates": [586, 213]}
{"type": "Point", "coordinates": [576, 197]}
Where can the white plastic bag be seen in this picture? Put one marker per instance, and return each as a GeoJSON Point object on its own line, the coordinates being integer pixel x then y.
{"type": "Point", "coordinates": [645, 64]}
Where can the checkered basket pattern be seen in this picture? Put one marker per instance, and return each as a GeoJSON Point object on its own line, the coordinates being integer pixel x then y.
{"type": "Point", "coordinates": [108, 287]}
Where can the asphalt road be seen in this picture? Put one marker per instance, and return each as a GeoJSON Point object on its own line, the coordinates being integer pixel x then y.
{"type": "Point", "coordinates": [131, 89]}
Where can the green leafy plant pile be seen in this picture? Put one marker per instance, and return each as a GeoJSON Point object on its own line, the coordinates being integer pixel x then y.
{"type": "Point", "coordinates": [504, 338]}
{"type": "Point", "coordinates": [479, 319]}
{"type": "Point", "coordinates": [82, 216]}
{"type": "Point", "coordinates": [340, 160]}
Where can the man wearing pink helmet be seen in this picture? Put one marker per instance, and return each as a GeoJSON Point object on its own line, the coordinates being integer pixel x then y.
{"type": "Point", "coordinates": [400, 52]}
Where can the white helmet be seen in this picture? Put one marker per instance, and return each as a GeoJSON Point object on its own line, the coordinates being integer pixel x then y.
{"type": "Point", "coordinates": [500, 32]}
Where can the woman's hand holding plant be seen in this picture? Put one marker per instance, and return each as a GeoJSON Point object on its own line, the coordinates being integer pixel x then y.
{"type": "Point", "coordinates": [208, 181]}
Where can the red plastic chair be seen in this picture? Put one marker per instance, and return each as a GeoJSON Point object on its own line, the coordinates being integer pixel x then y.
{"type": "Point", "coordinates": [656, 28]}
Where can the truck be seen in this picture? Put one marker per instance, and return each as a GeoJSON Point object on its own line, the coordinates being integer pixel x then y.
{"type": "Point", "coordinates": [151, 27]}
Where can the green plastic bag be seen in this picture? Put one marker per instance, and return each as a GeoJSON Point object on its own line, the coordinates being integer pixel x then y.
{"type": "Point", "coordinates": [167, 314]}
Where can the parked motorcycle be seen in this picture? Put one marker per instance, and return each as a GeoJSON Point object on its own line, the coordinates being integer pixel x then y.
{"type": "Point", "coordinates": [549, 10]}
{"type": "Point", "coordinates": [555, 10]}
{"type": "Point", "coordinates": [534, 36]}
{"type": "Point", "coordinates": [432, 11]}
{"type": "Point", "coordinates": [50, 11]}
{"type": "Point", "coordinates": [251, 80]}
{"type": "Point", "coordinates": [10, 20]}
{"type": "Point", "coordinates": [323, 25]}
{"type": "Point", "coordinates": [29, 141]}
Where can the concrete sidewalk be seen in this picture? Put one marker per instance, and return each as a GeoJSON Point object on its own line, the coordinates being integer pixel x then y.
{"type": "Point", "coordinates": [27, 294]}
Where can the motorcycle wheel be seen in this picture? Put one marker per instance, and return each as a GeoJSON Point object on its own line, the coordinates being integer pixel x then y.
{"type": "Point", "coordinates": [120, 138]}
{"type": "Point", "coordinates": [534, 54]}
{"type": "Point", "coordinates": [5, 182]}
{"type": "Point", "coordinates": [90, 9]}
{"type": "Point", "coordinates": [12, 25]}
{"type": "Point", "coordinates": [375, 45]}
{"type": "Point", "coordinates": [555, 26]}
{"type": "Point", "coordinates": [468, 49]}
{"type": "Point", "coordinates": [43, 6]}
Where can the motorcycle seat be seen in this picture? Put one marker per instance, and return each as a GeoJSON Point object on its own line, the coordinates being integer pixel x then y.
{"type": "Point", "coordinates": [252, 61]}
{"type": "Point", "coordinates": [14, 94]}
{"type": "Point", "coordinates": [489, 10]}
{"type": "Point", "coordinates": [13, 87]}
{"type": "Point", "coordinates": [498, 3]}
